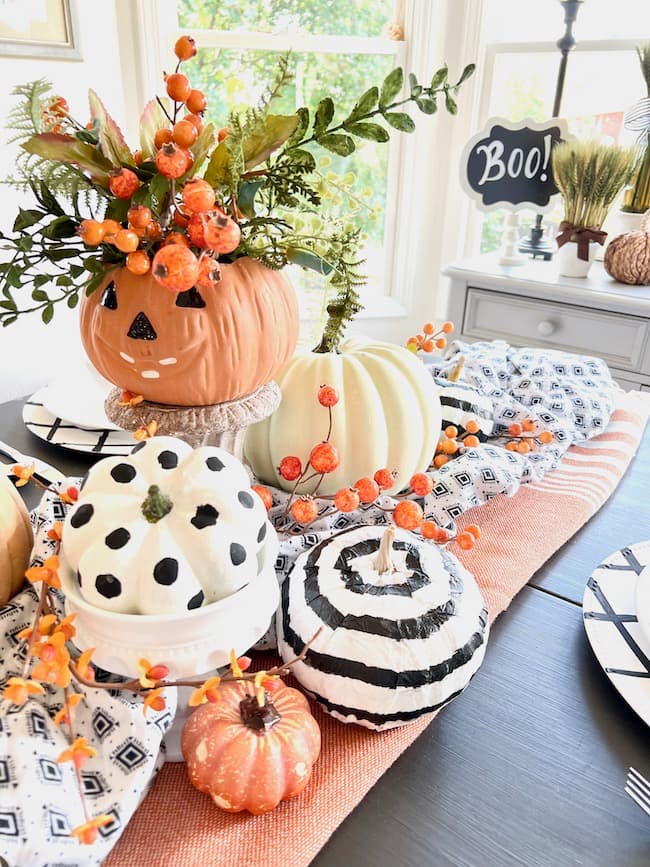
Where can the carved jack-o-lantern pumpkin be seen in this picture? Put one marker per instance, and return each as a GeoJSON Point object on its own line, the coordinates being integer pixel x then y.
{"type": "Point", "coordinates": [197, 347]}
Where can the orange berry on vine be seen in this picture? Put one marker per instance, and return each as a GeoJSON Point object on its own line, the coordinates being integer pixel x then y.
{"type": "Point", "coordinates": [172, 161]}
{"type": "Point", "coordinates": [209, 273]}
{"type": "Point", "coordinates": [264, 494]}
{"type": "Point", "coordinates": [447, 327]}
{"type": "Point", "coordinates": [123, 183]}
{"type": "Point", "coordinates": [545, 437]}
{"type": "Point", "coordinates": [440, 461]}
{"type": "Point", "coordinates": [223, 133]}
{"type": "Point", "coordinates": [465, 541]}
{"type": "Point", "coordinates": [327, 396]}
{"type": "Point", "coordinates": [428, 328]}
{"type": "Point", "coordinates": [428, 346]}
{"type": "Point", "coordinates": [472, 426]}
{"type": "Point", "coordinates": [304, 510]}
{"type": "Point", "coordinates": [138, 158]}
{"type": "Point", "coordinates": [126, 240]}
{"type": "Point", "coordinates": [450, 447]}
{"type": "Point", "coordinates": [471, 442]}
{"type": "Point", "coordinates": [384, 478]}
{"type": "Point", "coordinates": [511, 446]}
{"type": "Point", "coordinates": [184, 133]}
{"type": "Point", "coordinates": [91, 232]}
{"type": "Point", "coordinates": [421, 484]}
{"type": "Point", "coordinates": [178, 87]}
{"type": "Point", "coordinates": [185, 47]}
{"type": "Point", "coordinates": [441, 343]}
{"type": "Point", "coordinates": [408, 515]}
{"type": "Point", "coordinates": [138, 262]}
{"type": "Point", "coordinates": [412, 346]}
{"type": "Point", "coordinates": [429, 530]}
{"type": "Point", "coordinates": [451, 431]}
{"type": "Point", "coordinates": [111, 228]}
{"type": "Point", "coordinates": [196, 120]}
{"type": "Point", "coordinates": [347, 500]}
{"type": "Point", "coordinates": [529, 424]}
{"type": "Point", "coordinates": [196, 231]}
{"type": "Point", "coordinates": [195, 101]}
{"type": "Point", "coordinates": [324, 458]}
{"type": "Point", "coordinates": [474, 529]}
{"type": "Point", "coordinates": [439, 445]}
{"type": "Point", "coordinates": [442, 536]}
{"type": "Point", "coordinates": [198, 196]}
{"type": "Point", "coordinates": [523, 448]}
{"type": "Point", "coordinates": [139, 216]}
{"type": "Point", "coordinates": [515, 429]}
{"type": "Point", "coordinates": [367, 488]}
{"type": "Point", "coordinates": [176, 238]}
{"type": "Point", "coordinates": [175, 267]}
{"type": "Point", "coordinates": [222, 234]}
{"type": "Point", "coordinates": [180, 219]}
{"type": "Point", "coordinates": [153, 231]}
{"type": "Point", "coordinates": [162, 136]}
{"type": "Point", "coordinates": [290, 468]}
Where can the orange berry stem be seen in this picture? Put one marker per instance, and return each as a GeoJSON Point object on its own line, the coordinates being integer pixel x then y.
{"type": "Point", "coordinates": [40, 608]}
{"type": "Point", "coordinates": [162, 105]}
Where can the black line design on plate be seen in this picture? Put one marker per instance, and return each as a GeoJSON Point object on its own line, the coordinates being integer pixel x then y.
{"type": "Point", "coordinates": [99, 445]}
{"type": "Point", "coordinates": [614, 618]}
{"type": "Point", "coordinates": [615, 567]}
{"type": "Point", "coordinates": [598, 615]}
{"type": "Point", "coordinates": [54, 428]}
{"type": "Point", "coordinates": [631, 559]}
{"type": "Point", "coordinates": [628, 673]}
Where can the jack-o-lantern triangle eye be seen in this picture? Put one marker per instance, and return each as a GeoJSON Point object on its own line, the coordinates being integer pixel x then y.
{"type": "Point", "coordinates": [109, 297]}
{"type": "Point", "coordinates": [191, 298]}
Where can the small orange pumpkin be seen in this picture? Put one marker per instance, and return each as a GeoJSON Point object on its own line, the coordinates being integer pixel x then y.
{"type": "Point", "coordinates": [248, 757]}
{"type": "Point", "coordinates": [193, 348]}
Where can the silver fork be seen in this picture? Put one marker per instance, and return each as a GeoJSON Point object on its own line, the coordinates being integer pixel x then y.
{"type": "Point", "coordinates": [638, 788]}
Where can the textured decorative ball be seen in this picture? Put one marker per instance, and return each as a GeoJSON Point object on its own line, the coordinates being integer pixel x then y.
{"type": "Point", "coordinates": [627, 258]}
{"type": "Point", "coordinates": [393, 645]}
{"type": "Point", "coordinates": [459, 402]}
{"type": "Point", "coordinates": [165, 530]}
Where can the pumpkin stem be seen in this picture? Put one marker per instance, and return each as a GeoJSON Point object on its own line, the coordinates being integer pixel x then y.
{"type": "Point", "coordinates": [260, 719]}
{"type": "Point", "coordinates": [157, 505]}
{"type": "Point", "coordinates": [382, 562]}
{"type": "Point", "coordinates": [454, 376]}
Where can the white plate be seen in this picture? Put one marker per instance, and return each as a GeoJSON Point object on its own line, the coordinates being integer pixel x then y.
{"type": "Point", "coordinates": [60, 432]}
{"type": "Point", "coordinates": [78, 396]}
{"type": "Point", "coordinates": [612, 625]}
{"type": "Point", "coordinates": [9, 457]}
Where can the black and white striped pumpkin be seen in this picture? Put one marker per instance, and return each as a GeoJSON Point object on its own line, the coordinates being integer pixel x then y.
{"type": "Point", "coordinates": [392, 646]}
{"type": "Point", "coordinates": [459, 402]}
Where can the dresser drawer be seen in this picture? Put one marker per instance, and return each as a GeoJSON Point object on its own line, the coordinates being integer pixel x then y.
{"type": "Point", "coordinates": [617, 338]}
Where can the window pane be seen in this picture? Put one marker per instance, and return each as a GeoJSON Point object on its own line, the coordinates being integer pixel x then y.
{"type": "Point", "coordinates": [330, 17]}
{"type": "Point", "coordinates": [539, 20]}
{"type": "Point", "coordinates": [233, 79]}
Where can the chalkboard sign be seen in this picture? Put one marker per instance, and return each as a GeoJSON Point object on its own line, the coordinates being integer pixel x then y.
{"type": "Point", "coordinates": [509, 164]}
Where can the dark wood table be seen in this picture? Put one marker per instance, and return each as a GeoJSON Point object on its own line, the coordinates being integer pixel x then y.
{"type": "Point", "coordinates": [528, 766]}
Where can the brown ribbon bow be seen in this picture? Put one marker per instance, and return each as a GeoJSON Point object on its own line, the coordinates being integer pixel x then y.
{"type": "Point", "coordinates": [582, 235]}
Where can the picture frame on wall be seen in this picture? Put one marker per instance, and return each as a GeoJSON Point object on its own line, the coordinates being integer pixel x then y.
{"type": "Point", "coordinates": [44, 29]}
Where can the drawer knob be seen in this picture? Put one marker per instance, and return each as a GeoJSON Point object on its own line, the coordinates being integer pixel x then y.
{"type": "Point", "coordinates": [546, 328]}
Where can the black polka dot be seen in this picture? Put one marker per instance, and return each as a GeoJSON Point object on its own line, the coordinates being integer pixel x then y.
{"type": "Point", "coordinates": [83, 514]}
{"type": "Point", "coordinates": [262, 533]}
{"type": "Point", "coordinates": [237, 553]}
{"type": "Point", "coordinates": [246, 499]}
{"type": "Point", "coordinates": [79, 577]}
{"type": "Point", "coordinates": [206, 516]}
{"type": "Point", "coordinates": [168, 460]}
{"type": "Point", "coordinates": [139, 447]}
{"type": "Point", "coordinates": [214, 464]}
{"type": "Point", "coordinates": [196, 601]}
{"type": "Point", "coordinates": [117, 539]}
{"type": "Point", "coordinates": [108, 585]}
{"type": "Point", "coordinates": [123, 473]}
{"type": "Point", "coordinates": [166, 571]}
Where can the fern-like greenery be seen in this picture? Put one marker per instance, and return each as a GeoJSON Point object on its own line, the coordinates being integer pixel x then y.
{"type": "Point", "coordinates": [30, 116]}
{"type": "Point", "coordinates": [590, 174]}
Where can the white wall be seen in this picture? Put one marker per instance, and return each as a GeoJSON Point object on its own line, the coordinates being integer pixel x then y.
{"type": "Point", "coordinates": [31, 353]}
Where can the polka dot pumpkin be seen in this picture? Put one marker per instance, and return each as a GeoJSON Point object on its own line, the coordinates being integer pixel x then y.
{"type": "Point", "coordinates": [164, 530]}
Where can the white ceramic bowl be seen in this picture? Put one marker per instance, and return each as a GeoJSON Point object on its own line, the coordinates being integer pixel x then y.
{"type": "Point", "coordinates": [189, 643]}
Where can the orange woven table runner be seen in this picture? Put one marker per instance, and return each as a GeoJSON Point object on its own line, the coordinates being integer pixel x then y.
{"type": "Point", "coordinates": [176, 825]}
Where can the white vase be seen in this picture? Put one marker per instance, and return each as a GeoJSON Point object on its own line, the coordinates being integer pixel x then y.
{"type": "Point", "coordinates": [569, 265]}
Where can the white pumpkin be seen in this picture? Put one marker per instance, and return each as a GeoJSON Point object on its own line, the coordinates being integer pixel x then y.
{"type": "Point", "coordinates": [392, 645]}
{"type": "Point", "coordinates": [15, 540]}
{"type": "Point", "coordinates": [165, 530]}
{"type": "Point", "coordinates": [388, 415]}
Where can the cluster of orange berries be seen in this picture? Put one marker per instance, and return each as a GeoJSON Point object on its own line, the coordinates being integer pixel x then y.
{"type": "Point", "coordinates": [196, 219]}
{"type": "Point", "coordinates": [324, 458]}
{"type": "Point", "coordinates": [524, 438]}
{"type": "Point", "coordinates": [430, 339]}
{"type": "Point", "coordinates": [451, 442]}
